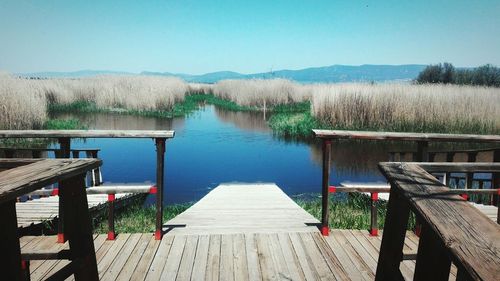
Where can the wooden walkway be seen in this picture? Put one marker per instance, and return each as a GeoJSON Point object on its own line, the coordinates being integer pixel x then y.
{"type": "Point", "coordinates": [344, 255]}
{"type": "Point", "coordinates": [34, 212]}
{"type": "Point", "coordinates": [243, 208]}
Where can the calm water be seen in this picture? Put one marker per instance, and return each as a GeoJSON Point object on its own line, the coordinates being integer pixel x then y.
{"type": "Point", "coordinates": [213, 146]}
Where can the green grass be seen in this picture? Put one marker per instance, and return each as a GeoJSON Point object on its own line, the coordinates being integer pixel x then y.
{"type": "Point", "coordinates": [293, 124]}
{"type": "Point", "coordinates": [349, 212]}
{"type": "Point", "coordinates": [139, 219]}
{"type": "Point", "coordinates": [63, 124]}
{"type": "Point", "coordinates": [352, 212]}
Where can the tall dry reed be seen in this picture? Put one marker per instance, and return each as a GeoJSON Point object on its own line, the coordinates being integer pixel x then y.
{"type": "Point", "coordinates": [261, 93]}
{"type": "Point", "coordinates": [22, 103]}
{"type": "Point", "coordinates": [407, 107]}
{"type": "Point", "coordinates": [127, 92]}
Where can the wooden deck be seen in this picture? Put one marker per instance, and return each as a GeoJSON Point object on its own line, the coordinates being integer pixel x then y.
{"type": "Point", "coordinates": [344, 255]}
{"type": "Point", "coordinates": [243, 208]}
{"type": "Point", "coordinates": [34, 212]}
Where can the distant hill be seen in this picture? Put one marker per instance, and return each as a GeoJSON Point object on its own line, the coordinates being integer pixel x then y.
{"type": "Point", "coordinates": [334, 73]}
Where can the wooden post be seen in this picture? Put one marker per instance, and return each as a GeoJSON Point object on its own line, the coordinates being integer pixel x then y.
{"type": "Point", "coordinates": [469, 177]}
{"type": "Point", "coordinates": [96, 171]}
{"type": "Point", "coordinates": [495, 182]}
{"type": "Point", "coordinates": [78, 227]}
{"type": "Point", "coordinates": [374, 224]}
{"type": "Point", "coordinates": [160, 159]}
{"type": "Point", "coordinates": [449, 158]}
{"type": "Point", "coordinates": [76, 154]}
{"type": "Point", "coordinates": [422, 155]}
{"type": "Point", "coordinates": [65, 149]}
{"type": "Point", "coordinates": [111, 217]}
{"type": "Point", "coordinates": [391, 248]}
{"type": "Point", "coordinates": [433, 263]}
{"type": "Point", "coordinates": [325, 230]}
{"type": "Point", "coordinates": [10, 257]}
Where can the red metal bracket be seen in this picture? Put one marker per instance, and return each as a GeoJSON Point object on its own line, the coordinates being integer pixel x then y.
{"type": "Point", "coordinates": [153, 190]}
{"type": "Point", "coordinates": [325, 231]}
{"type": "Point", "coordinates": [55, 192]}
{"type": "Point", "coordinates": [374, 196]}
{"type": "Point", "coordinates": [111, 197]}
{"type": "Point", "coordinates": [374, 232]}
{"type": "Point", "coordinates": [332, 189]}
{"type": "Point", "coordinates": [111, 235]}
{"type": "Point", "coordinates": [158, 235]}
{"type": "Point", "coordinates": [61, 238]}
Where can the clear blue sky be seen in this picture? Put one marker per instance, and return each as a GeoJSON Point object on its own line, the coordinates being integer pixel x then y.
{"type": "Point", "coordinates": [246, 36]}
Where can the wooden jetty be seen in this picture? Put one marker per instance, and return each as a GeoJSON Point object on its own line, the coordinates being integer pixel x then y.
{"type": "Point", "coordinates": [243, 208]}
{"type": "Point", "coordinates": [236, 232]}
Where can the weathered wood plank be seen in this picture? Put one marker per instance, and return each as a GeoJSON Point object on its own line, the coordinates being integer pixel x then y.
{"type": "Point", "coordinates": [24, 179]}
{"type": "Point", "coordinates": [340, 134]}
{"type": "Point", "coordinates": [471, 239]}
{"type": "Point", "coordinates": [86, 134]}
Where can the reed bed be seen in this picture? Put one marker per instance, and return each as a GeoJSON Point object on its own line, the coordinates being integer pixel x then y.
{"type": "Point", "coordinates": [407, 107]}
{"type": "Point", "coordinates": [140, 93]}
{"type": "Point", "coordinates": [261, 93]}
{"type": "Point", "coordinates": [22, 103]}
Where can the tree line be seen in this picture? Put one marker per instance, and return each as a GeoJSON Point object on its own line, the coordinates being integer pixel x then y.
{"type": "Point", "coordinates": [446, 73]}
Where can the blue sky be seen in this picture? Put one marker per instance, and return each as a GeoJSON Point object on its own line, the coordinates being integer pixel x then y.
{"type": "Point", "coordinates": [245, 36]}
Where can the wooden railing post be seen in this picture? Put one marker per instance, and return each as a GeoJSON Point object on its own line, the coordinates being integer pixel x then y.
{"type": "Point", "coordinates": [374, 223]}
{"type": "Point", "coordinates": [10, 258]}
{"type": "Point", "coordinates": [433, 262]}
{"type": "Point", "coordinates": [391, 248]}
{"type": "Point", "coordinates": [65, 150]}
{"type": "Point", "coordinates": [327, 145]}
{"type": "Point", "coordinates": [422, 155]}
{"type": "Point", "coordinates": [78, 227]}
{"type": "Point", "coordinates": [160, 159]}
{"type": "Point", "coordinates": [495, 182]}
{"type": "Point", "coordinates": [111, 216]}
{"type": "Point", "coordinates": [97, 171]}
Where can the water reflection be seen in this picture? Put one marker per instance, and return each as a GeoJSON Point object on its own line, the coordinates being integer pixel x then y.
{"type": "Point", "coordinates": [251, 121]}
{"type": "Point", "coordinates": [213, 146]}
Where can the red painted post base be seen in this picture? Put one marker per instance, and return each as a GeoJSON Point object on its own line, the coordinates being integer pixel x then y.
{"type": "Point", "coordinates": [418, 229]}
{"type": "Point", "coordinates": [465, 197]}
{"type": "Point", "coordinates": [111, 235]}
{"type": "Point", "coordinates": [158, 235]}
{"type": "Point", "coordinates": [374, 232]}
{"type": "Point", "coordinates": [60, 238]}
{"type": "Point", "coordinates": [325, 231]}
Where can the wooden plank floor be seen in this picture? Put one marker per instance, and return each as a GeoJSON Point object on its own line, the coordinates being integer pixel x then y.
{"type": "Point", "coordinates": [243, 208]}
{"type": "Point", "coordinates": [37, 211]}
{"type": "Point", "coordinates": [344, 255]}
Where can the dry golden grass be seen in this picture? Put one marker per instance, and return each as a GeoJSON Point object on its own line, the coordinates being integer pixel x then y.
{"type": "Point", "coordinates": [129, 92]}
{"type": "Point", "coordinates": [407, 106]}
{"type": "Point", "coordinates": [22, 103]}
{"type": "Point", "coordinates": [261, 93]}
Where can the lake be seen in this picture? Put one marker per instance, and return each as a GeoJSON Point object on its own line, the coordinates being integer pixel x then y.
{"type": "Point", "coordinates": [213, 146]}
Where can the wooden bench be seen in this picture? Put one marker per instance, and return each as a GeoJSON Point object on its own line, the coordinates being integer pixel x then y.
{"type": "Point", "coordinates": [26, 175]}
{"type": "Point", "coordinates": [452, 230]}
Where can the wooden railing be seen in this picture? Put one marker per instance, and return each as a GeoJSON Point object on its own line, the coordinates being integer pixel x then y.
{"type": "Point", "coordinates": [374, 191]}
{"type": "Point", "coordinates": [422, 154]}
{"type": "Point", "coordinates": [95, 177]}
{"type": "Point", "coordinates": [452, 230]}
{"type": "Point", "coordinates": [64, 138]}
{"type": "Point", "coordinates": [28, 175]}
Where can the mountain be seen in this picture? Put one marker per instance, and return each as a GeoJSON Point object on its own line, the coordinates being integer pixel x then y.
{"type": "Point", "coordinates": [332, 74]}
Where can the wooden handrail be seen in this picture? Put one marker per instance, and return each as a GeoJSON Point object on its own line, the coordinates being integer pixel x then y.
{"type": "Point", "coordinates": [64, 138]}
{"type": "Point", "coordinates": [85, 134]}
{"type": "Point", "coordinates": [78, 230]}
{"type": "Point", "coordinates": [449, 151]}
{"type": "Point", "coordinates": [422, 154]}
{"type": "Point", "coordinates": [366, 135]}
{"type": "Point", "coordinates": [30, 177]}
{"type": "Point", "coordinates": [453, 230]}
